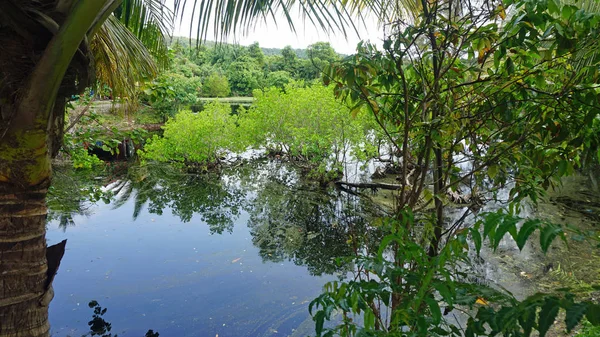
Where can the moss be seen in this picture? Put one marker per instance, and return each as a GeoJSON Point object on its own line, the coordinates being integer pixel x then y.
{"type": "Point", "coordinates": [25, 158]}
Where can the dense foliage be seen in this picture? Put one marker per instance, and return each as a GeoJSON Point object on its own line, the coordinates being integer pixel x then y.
{"type": "Point", "coordinates": [309, 125]}
{"type": "Point", "coordinates": [472, 101]}
{"type": "Point", "coordinates": [89, 131]}
{"type": "Point", "coordinates": [306, 125]}
{"type": "Point", "coordinates": [223, 70]}
{"type": "Point", "coordinates": [195, 138]}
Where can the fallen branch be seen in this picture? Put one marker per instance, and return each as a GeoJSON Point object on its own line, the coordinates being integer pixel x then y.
{"type": "Point", "coordinates": [382, 186]}
{"type": "Point", "coordinates": [85, 109]}
{"type": "Point", "coordinates": [349, 191]}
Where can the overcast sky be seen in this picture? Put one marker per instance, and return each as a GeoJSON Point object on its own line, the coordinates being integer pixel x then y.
{"type": "Point", "coordinates": [271, 35]}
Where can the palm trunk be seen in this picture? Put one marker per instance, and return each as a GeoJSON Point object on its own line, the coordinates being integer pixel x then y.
{"type": "Point", "coordinates": [24, 179]}
{"type": "Point", "coordinates": [31, 125]}
{"type": "Point", "coordinates": [23, 309]}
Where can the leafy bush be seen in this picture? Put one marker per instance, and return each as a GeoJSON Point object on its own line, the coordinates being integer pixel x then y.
{"type": "Point", "coordinates": [306, 124]}
{"type": "Point", "coordinates": [190, 138]}
{"type": "Point", "coordinates": [402, 290]}
{"type": "Point", "coordinates": [83, 160]}
{"type": "Point", "coordinates": [216, 85]}
{"type": "Point", "coordinates": [170, 91]}
{"type": "Point", "coordinates": [588, 330]}
{"type": "Point", "coordinates": [278, 79]}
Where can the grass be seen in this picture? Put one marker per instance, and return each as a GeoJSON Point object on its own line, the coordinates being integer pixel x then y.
{"type": "Point", "coordinates": [588, 330]}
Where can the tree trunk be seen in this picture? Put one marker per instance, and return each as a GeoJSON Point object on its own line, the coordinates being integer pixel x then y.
{"type": "Point", "coordinates": [24, 282]}
{"type": "Point", "coordinates": [33, 62]}
{"type": "Point", "coordinates": [23, 311]}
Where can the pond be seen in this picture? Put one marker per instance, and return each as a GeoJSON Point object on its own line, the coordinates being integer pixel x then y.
{"type": "Point", "coordinates": [236, 254]}
{"type": "Point", "coordinates": [243, 253]}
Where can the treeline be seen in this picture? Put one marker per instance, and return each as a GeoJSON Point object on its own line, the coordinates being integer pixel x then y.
{"type": "Point", "coordinates": [187, 42]}
{"type": "Point", "coordinates": [223, 70]}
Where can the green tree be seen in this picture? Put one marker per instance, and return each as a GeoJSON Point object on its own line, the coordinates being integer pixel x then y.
{"type": "Point", "coordinates": [244, 76]}
{"type": "Point", "coordinates": [256, 53]}
{"type": "Point", "coordinates": [216, 85]}
{"type": "Point", "coordinates": [502, 94]}
{"type": "Point", "coordinates": [320, 55]}
{"type": "Point", "coordinates": [306, 125]}
{"type": "Point", "coordinates": [195, 139]}
{"type": "Point", "coordinates": [289, 60]}
{"type": "Point", "coordinates": [322, 51]}
{"type": "Point", "coordinates": [278, 79]}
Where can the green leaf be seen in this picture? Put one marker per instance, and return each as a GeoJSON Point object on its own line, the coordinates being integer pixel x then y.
{"type": "Point", "coordinates": [510, 66]}
{"type": "Point", "coordinates": [547, 235]}
{"type": "Point", "coordinates": [566, 12]}
{"type": "Point", "coordinates": [552, 7]}
{"type": "Point", "coordinates": [439, 331]}
{"type": "Point", "coordinates": [490, 222]}
{"type": "Point", "coordinates": [444, 292]}
{"type": "Point", "coordinates": [593, 314]}
{"type": "Point", "coordinates": [562, 167]}
{"type": "Point", "coordinates": [526, 230]}
{"type": "Point", "coordinates": [527, 319]}
{"type": "Point", "coordinates": [369, 319]}
{"type": "Point", "coordinates": [492, 171]}
{"type": "Point", "coordinates": [509, 225]}
{"type": "Point", "coordinates": [434, 307]}
{"type": "Point", "coordinates": [574, 315]}
{"type": "Point", "coordinates": [476, 236]}
{"type": "Point", "coordinates": [547, 315]}
{"type": "Point", "coordinates": [319, 319]}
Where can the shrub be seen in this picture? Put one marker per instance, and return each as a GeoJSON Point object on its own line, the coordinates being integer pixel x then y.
{"type": "Point", "coordinates": [190, 138]}
{"type": "Point", "coordinates": [306, 124]}
{"type": "Point", "coordinates": [167, 93]}
{"type": "Point", "coordinates": [216, 85]}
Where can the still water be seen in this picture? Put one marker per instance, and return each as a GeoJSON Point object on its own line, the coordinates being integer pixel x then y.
{"type": "Point", "coordinates": [240, 254]}
{"type": "Point", "coordinates": [244, 252]}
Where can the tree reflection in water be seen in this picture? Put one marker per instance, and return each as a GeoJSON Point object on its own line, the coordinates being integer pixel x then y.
{"type": "Point", "coordinates": [302, 222]}
{"type": "Point", "coordinates": [160, 187]}
{"type": "Point", "coordinates": [289, 218]}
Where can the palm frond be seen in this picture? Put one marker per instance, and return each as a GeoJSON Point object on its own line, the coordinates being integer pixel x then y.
{"type": "Point", "coordinates": [121, 59]}
{"type": "Point", "coordinates": [151, 21]}
{"type": "Point", "coordinates": [391, 11]}
{"type": "Point", "coordinates": [588, 54]}
{"type": "Point", "coordinates": [227, 17]}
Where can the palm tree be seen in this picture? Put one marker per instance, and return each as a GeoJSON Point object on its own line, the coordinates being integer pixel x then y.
{"type": "Point", "coordinates": [50, 50]}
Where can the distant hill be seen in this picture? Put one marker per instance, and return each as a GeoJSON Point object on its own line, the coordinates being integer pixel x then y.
{"type": "Point", "coordinates": [301, 53]}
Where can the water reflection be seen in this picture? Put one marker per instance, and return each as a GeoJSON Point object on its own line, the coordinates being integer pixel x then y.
{"type": "Point", "coordinates": [308, 227]}
{"type": "Point", "coordinates": [252, 280]}
{"type": "Point", "coordinates": [160, 187]}
{"type": "Point", "coordinates": [73, 192]}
